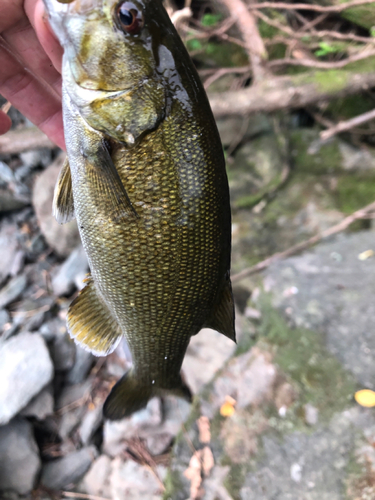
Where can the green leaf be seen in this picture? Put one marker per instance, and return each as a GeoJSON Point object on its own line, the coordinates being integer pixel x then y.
{"type": "Point", "coordinates": [194, 44]}
{"type": "Point", "coordinates": [210, 19]}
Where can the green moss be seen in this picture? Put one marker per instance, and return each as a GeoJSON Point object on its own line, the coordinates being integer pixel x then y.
{"type": "Point", "coordinates": [363, 15]}
{"type": "Point", "coordinates": [172, 484]}
{"type": "Point", "coordinates": [300, 353]}
{"type": "Point", "coordinates": [354, 192]}
{"type": "Point", "coordinates": [235, 480]}
{"type": "Point", "coordinates": [347, 107]}
{"type": "Point", "coordinates": [331, 80]}
{"type": "Point", "coordinates": [325, 160]}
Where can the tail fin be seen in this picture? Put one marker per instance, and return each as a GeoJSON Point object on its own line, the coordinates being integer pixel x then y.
{"type": "Point", "coordinates": [129, 396]}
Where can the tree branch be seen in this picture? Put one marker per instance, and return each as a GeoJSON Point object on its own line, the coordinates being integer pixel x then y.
{"type": "Point", "coordinates": [290, 92]}
{"type": "Point", "coordinates": [337, 228]}
{"type": "Point", "coordinates": [251, 37]}
{"type": "Point", "coordinates": [347, 125]}
{"type": "Point", "coordinates": [305, 6]}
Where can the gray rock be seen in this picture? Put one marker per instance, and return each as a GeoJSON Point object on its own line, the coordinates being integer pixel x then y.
{"type": "Point", "coordinates": [63, 351]}
{"type": "Point", "coordinates": [68, 470]}
{"type": "Point", "coordinates": [19, 457]}
{"type": "Point", "coordinates": [62, 238]}
{"type": "Point", "coordinates": [12, 290]}
{"type": "Point", "coordinates": [73, 270]}
{"type": "Point", "coordinates": [206, 354]}
{"type": "Point", "coordinates": [8, 249]}
{"type": "Point", "coordinates": [6, 174]}
{"type": "Point", "coordinates": [71, 404]}
{"type": "Point", "coordinates": [334, 296]}
{"type": "Point", "coordinates": [156, 424]}
{"type": "Point", "coordinates": [258, 169]}
{"type": "Point", "coordinates": [132, 481]}
{"type": "Point", "coordinates": [96, 481]}
{"type": "Point", "coordinates": [4, 318]}
{"type": "Point", "coordinates": [52, 329]}
{"type": "Point", "coordinates": [10, 201]}
{"type": "Point", "coordinates": [235, 129]}
{"type": "Point", "coordinates": [82, 365]}
{"type": "Point", "coordinates": [41, 405]}
{"type": "Point", "coordinates": [25, 368]}
{"type": "Point", "coordinates": [90, 424]}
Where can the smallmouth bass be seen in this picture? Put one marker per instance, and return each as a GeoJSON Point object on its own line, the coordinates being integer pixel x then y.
{"type": "Point", "coordinates": [146, 181]}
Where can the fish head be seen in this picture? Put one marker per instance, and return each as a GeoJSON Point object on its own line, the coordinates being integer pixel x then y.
{"type": "Point", "coordinates": [111, 62]}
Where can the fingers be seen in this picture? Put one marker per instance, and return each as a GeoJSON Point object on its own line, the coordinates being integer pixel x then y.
{"type": "Point", "coordinates": [47, 39]}
{"type": "Point", "coordinates": [5, 123]}
{"type": "Point", "coordinates": [33, 98]}
{"type": "Point", "coordinates": [23, 41]}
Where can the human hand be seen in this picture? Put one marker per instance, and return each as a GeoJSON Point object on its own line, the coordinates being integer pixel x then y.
{"type": "Point", "coordinates": [30, 66]}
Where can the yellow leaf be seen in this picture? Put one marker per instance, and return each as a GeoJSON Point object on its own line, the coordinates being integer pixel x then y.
{"type": "Point", "coordinates": [227, 409]}
{"type": "Point", "coordinates": [365, 397]}
{"type": "Point", "coordinates": [366, 254]}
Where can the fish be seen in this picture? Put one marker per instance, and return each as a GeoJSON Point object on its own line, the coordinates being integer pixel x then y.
{"type": "Point", "coordinates": [145, 179]}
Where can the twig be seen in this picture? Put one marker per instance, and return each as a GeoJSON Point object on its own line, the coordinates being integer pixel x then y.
{"type": "Point", "coordinates": [347, 125]}
{"type": "Point", "coordinates": [71, 494]}
{"type": "Point", "coordinates": [304, 6]}
{"type": "Point", "coordinates": [250, 34]}
{"type": "Point", "coordinates": [309, 63]}
{"type": "Point", "coordinates": [337, 228]}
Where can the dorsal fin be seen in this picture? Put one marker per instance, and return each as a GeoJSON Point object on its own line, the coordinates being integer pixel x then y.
{"type": "Point", "coordinates": [222, 318]}
{"type": "Point", "coordinates": [91, 324]}
{"type": "Point", "coordinates": [63, 204]}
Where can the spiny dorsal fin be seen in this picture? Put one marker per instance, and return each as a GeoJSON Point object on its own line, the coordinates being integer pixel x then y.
{"type": "Point", "coordinates": [222, 319]}
{"type": "Point", "coordinates": [91, 324]}
{"type": "Point", "coordinates": [63, 204]}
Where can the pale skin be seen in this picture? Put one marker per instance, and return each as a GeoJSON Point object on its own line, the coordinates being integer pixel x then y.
{"type": "Point", "coordinates": [30, 66]}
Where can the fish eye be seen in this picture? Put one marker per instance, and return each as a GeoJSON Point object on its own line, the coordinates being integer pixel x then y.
{"type": "Point", "coordinates": [130, 18]}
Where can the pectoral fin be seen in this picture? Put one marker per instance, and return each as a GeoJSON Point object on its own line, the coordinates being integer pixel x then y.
{"type": "Point", "coordinates": [63, 204]}
{"type": "Point", "coordinates": [91, 324]}
{"type": "Point", "coordinates": [222, 318]}
{"type": "Point", "coordinates": [105, 180]}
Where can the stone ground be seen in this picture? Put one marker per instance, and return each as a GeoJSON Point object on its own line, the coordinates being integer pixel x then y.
{"type": "Point", "coordinates": [274, 417]}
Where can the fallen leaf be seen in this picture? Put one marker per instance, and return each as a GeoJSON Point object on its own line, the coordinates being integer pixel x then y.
{"type": "Point", "coordinates": [366, 254]}
{"type": "Point", "coordinates": [204, 430]}
{"type": "Point", "coordinates": [365, 398]}
{"type": "Point", "coordinates": [227, 409]}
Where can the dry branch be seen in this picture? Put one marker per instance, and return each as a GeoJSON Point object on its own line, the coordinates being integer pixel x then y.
{"type": "Point", "coordinates": [305, 6]}
{"type": "Point", "coordinates": [337, 228]}
{"type": "Point", "coordinates": [310, 63]}
{"type": "Point", "coordinates": [253, 41]}
{"type": "Point", "coordinates": [17, 141]}
{"type": "Point", "coordinates": [287, 92]}
{"type": "Point", "coordinates": [347, 125]}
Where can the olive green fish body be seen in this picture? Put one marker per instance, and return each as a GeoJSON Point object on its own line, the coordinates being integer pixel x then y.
{"type": "Point", "coordinates": [151, 199]}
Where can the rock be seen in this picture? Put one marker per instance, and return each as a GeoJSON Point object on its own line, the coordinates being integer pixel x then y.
{"type": "Point", "coordinates": [19, 457]}
{"type": "Point", "coordinates": [131, 481]}
{"type": "Point", "coordinates": [156, 424]}
{"type": "Point", "coordinates": [206, 354]}
{"type": "Point", "coordinates": [62, 238]}
{"type": "Point", "coordinates": [90, 424]}
{"type": "Point", "coordinates": [72, 271]}
{"type": "Point", "coordinates": [62, 472]}
{"type": "Point", "coordinates": [82, 365]}
{"type": "Point", "coordinates": [8, 249]}
{"type": "Point", "coordinates": [335, 297]}
{"type": "Point", "coordinates": [25, 369]}
{"type": "Point", "coordinates": [311, 414]}
{"type": "Point", "coordinates": [96, 481]}
{"type": "Point", "coordinates": [10, 201]}
{"type": "Point", "coordinates": [71, 405]}
{"type": "Point", "coordinates": [6, 174]}
{"type": "Point", "coordinates": [12, 290]}
{"type": "Point", "coordinates": [63, 351]}
{"type": "Point", "coordinates": [41, 405]}
{"type": "Point", "coordinates": [4, 318]}
{"type": "Point", "coordinates": [52, 329]}
{"type": "Point", "coordinates": [235, 129]}
{"type": "Point", "coordinates": [258, 169]}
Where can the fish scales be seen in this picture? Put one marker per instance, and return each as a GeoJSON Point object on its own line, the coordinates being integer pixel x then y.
{"type": "Point", "coordinates": [150, 195]}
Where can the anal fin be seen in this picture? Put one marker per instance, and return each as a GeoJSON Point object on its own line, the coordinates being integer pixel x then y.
{"type": "Point", "coordinates": [91, 324]}
{"type": "Point", "coordinates": [222, 318]}
{"type": "Point", "coordinates": [63, 204]}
